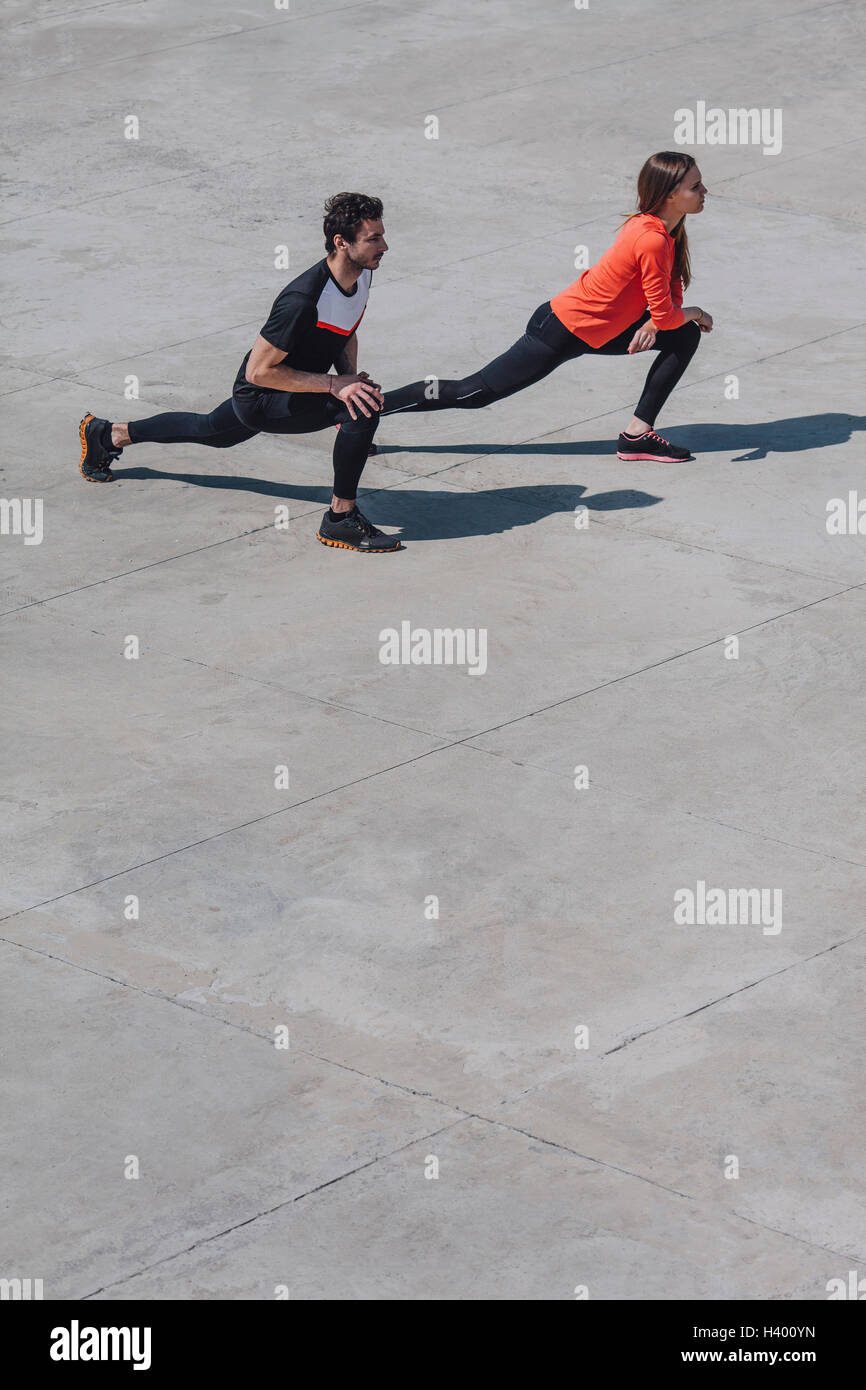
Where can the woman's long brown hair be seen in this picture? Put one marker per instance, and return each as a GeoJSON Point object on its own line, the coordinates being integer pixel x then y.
{"type": "Point", "coordinates": [659, 176]}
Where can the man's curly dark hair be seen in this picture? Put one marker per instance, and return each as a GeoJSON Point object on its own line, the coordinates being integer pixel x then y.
{"type": "Point", "coordinates": [344, 214]}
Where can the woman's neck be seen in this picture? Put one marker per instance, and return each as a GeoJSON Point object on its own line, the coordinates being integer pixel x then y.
{"type": "Point", "coordinates": [670, 221]}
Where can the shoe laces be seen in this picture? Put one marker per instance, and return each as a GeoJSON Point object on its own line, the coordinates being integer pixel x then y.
{"type": "Point", "coordinates": [366, 526]}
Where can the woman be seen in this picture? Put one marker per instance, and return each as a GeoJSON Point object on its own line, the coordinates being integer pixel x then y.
{"type": "Point", "coordinates": [630, 301]}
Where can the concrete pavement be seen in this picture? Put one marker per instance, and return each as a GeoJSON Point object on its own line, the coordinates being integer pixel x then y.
{"type": "Point", "coordinates": [403, 981]}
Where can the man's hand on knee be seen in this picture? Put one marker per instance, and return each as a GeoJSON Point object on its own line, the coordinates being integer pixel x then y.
{"type": "Point", "coordinates": [358, 392]}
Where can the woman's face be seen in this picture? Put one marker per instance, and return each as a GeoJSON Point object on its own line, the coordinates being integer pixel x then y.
{"type": "Point", "coordinates": [689, 194]}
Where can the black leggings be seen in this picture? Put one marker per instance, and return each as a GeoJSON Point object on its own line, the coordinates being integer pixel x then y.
{"type": "Point", "coordinates": [279, 412]}
{"type": "Point", "coordinates": [545, 345]}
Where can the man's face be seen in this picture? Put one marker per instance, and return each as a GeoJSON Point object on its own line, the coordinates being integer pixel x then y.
{"type": "Point", "coordinates": [369, 245]}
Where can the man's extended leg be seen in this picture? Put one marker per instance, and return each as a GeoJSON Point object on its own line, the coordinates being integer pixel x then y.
{"type": "Point", "coordinates": [218, 430]}
{"type": "Point", "coordinates": [102, 442]}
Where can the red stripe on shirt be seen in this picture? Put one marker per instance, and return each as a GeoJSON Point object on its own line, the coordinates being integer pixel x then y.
{"type": "Point", "coordinates": [346, 332]}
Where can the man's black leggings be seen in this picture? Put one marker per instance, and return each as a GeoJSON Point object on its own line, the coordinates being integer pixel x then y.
{"type": "Point", "coordinates": [545, 345]}
{"type": "Point", "coordinates": [279, 412]}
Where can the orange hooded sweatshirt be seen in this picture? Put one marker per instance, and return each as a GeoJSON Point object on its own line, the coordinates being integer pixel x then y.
{"type": "Point", "coordinates": [634, 274]}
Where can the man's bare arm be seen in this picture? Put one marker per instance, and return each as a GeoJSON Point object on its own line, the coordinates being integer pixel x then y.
{"type": "Point", "coordinates": [264, 369]}
{"type": "Point", "coordinates": [347, 361]}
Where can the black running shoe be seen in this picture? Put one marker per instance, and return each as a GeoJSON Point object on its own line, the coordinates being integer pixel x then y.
{"type": "Point", "coordinates": [650, 446]}
{"type": "Point", "coordinates": [354, 532]}
{"type": "Point", "coordinates": [96, 457]}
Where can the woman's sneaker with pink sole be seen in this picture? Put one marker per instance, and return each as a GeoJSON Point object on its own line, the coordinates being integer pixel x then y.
{"type": "Point", "coordinates": [650, 446]}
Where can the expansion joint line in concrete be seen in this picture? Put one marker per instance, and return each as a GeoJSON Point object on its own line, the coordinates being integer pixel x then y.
{"type": "Point", "coordinates": [152, 564]}
{"type": "Point", "coordinates": [279, 1206]}
{"type": "Point", "coordinates": [461, 1118]}
{"type": "Point", "coordinates": [680, 810]}
{"type": "Point", "coordinates": [427, 753]}
{"type": "Point", "coordinates": [652, 666]}
{"type": "Point", "coordinates": [190, 43]}
{"type": "Point", "coordinates": [625, 60]}
{"type": "Point", "coordinates": [422, 1139]}
{"type": "Point", "coordinates": [220, 1021]}
{"type": "Point", "coordinates": [741, 989]}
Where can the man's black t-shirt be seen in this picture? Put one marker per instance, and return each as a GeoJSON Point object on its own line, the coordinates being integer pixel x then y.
{"type": "Point", "coordinates": [310, 320]}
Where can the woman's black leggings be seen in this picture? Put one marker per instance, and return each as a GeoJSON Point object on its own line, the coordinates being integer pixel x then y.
{"type": "Point", "coordinates": [277, 412]}
{"type": "Point", "coordinates": [545, 345]}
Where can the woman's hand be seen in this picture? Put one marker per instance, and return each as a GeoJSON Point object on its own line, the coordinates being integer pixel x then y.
{"type": "Point", "coordinates": [701, 318]}
{"type": "Point", "coordinates": [644, 337]}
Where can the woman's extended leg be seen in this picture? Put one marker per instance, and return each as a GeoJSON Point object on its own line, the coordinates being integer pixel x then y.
{"type": "Point", "coordinates": [544, 346]}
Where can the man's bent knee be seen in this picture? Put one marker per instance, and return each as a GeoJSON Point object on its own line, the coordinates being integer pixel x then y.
{"type": "Point", "coordinates": [364, 427]}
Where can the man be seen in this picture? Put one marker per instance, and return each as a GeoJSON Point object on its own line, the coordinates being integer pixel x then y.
{"type": "Point", "coordinates": [285, 385]}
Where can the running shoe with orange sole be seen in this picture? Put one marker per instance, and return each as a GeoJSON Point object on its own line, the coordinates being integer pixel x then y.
{"type": "Point", "coordinates": [354, 532]}
{"type": "Point", "coordinates": [96, 458]}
